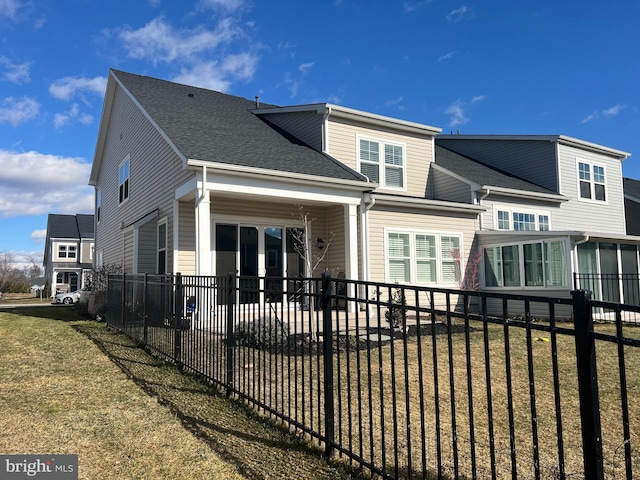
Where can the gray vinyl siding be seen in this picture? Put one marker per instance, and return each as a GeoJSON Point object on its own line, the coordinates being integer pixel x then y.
{"type": "Point", "coordinates": [127, 252]}
{"type": "Point", "coordinates": [155, 172]}
{"type": "Point", "coordinates": [446, 187]}
{"type": "Point", "coordinates": [594, 216]}
{"type": "Point", "coordinates": [306, 126]}
{"type": "Point", "coordinates": [632, 216]}
{"type": "Point", "coordinates": [147, 247]}
{"type": "Point", "coordinates": [532, 160]}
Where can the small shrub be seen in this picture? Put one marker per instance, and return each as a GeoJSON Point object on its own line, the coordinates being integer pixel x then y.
{"type": "Point", "coordinates": [264, 333]}
{"type": "Point", "coordinates": [397, 308]}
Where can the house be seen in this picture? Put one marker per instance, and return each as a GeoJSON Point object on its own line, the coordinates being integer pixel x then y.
{"type": "Point", "coordinates": [632, 205]}
{"type": "Point", "coordinates": [195, 181]}
{"type": "Point", "coordinates": [68, 251]}
{"type": "Point", "coordinates": [563, 228]}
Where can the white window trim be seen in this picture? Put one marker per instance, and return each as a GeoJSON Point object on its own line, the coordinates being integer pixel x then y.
{"type": "Point", "coordinates": [412, 251]}
{"type": "Point", "coordinates": [127, 159]}
{"type": "Point", "coordinates": [521, 263]}
{"type": "Point", "coordinates": [511, 210]}
{"type": "Point", "coordinates": [381, 170]}
{"type": "Point", "coordinates": [66, 245]}
{"type": "Point", "coordinates": [592, 182]}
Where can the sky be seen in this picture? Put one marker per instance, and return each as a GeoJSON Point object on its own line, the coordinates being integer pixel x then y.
{"type": "Point", "coordinates": [486, 67]}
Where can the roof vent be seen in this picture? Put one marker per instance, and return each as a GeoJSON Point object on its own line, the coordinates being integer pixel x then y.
{"type": "Point", "coordinates": [257, 101]}
{"type": "Point", "coordinates": [190, 95]}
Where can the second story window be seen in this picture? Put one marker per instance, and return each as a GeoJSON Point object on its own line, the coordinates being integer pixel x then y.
{"type": "Point", "coordinates": [67, 251]}
{"type": "Point", "coordinates": [521, 220]}
{"type": "Point", "coordinates": [382, 162]}
{"type": "Point", "coordinates": [124, 180]}
{"type": "Point", "coordinates": [591, 179]}
{"type": "Point", "coordinates": [98, 203]}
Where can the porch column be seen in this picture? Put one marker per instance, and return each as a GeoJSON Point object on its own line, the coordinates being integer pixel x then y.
{"type": "Point", "coordinates": [351, 249]}
{"type": "Point", "coordinates": [203, 232]}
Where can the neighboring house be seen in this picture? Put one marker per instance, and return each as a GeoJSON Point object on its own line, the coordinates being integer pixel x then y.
{"type": "Point", "coordinates": [37, 285]}
{"type": "Point", "coordinates": [199, 182]}
{"type": "Point", "coordinates": [68, 251]}
{"type": "Point", "coordinates": [566, 219]}
{"type": "Point", "coordinates": [632, 205]}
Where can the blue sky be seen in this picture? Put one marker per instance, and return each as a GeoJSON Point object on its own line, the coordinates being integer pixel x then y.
{"type": "Point", "coordinates": [502, 66]}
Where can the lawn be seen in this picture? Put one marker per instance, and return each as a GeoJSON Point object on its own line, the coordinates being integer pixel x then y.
{"type": "Point", "coordinates": [71, 386]}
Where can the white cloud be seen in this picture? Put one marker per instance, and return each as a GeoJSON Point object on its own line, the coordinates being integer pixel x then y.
{"type": "Point", "coordinates": [9, 8]}
{"type": "Point", "coordinates": [397, 102]}
{"type": "Point", "coordinates": [158, 41]}
{"type": "Point", "coordinates": [413, 6]}
{"type": "Point", "coordinates": [67, 87]}
{"type": "Point", "coordinates": [478, 98]}
{"type": "Point", "coordinates": [241, 66]}
{"type": "Point", "coordinates": [447, 56]}
{"type": "Point", "coordinates": [74, 113]}
{"type": "Point", "coordinates": [17, 73]}
{"type": "Point", "coordinates": [17, 111]}
{"type": "Point", "coordinates": [456, 110]}
{"type": "Point", "coordinates": [305, 67]}
{"type": "Point", "coordinates": [606, 113]}
{"type": "Point", "coordinates": [33, 183]}
{"type": "Point", "coordinates": [613, 111]}
{"type": "Point", "coordinates": [457, 14]}
{"type": "Point", "coordinates": [39, 235]}
{"type": "Point", "coordinates": [227, 5]}
{"type": "Point", "coordinates": [205, 75]}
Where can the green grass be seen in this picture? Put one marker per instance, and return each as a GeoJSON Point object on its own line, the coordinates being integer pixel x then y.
{"type": "Point", "coordinates": [71, 386]}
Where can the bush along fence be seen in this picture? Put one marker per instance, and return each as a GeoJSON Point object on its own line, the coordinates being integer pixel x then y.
{"type": "Point", "coordinates": [408, 382]}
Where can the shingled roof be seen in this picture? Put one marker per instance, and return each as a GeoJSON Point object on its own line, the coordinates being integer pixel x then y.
{"type": "Point", "coordinates": [483, 174]}
{"type": "Point", "coordinates": [211, 126]}
{"type": "Point", "coordinates": [70, 226]}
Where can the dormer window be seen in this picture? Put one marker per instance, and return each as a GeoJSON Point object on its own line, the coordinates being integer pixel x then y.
{"type": "Point", "coordinates": [382, 162]}
{"type": "Point", "coordinates": [591, 181]}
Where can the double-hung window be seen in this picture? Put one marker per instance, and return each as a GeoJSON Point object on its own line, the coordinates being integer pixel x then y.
{"type": "Point", "coordinates": [591, 181]}
{"type": "Point", "coordinates": [423, 258]}
{"type": "Point", "coordinates": [124, 180]}
{"type": "Point", "coordinates": [382, 162]}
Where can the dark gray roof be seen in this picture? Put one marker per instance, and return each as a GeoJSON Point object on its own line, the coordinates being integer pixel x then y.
{"type": "Point", "coordinates": [483, 174]}
{"type": "Point", "coordinates": [213, 126]}
{"type": "Point", "coordinates": [631, 187]}
{"type": "Point", "coordinates": [70, 226]}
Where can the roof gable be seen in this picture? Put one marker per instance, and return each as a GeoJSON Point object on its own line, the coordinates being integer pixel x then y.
{"type": "Point", "coordinates": [209, 126]}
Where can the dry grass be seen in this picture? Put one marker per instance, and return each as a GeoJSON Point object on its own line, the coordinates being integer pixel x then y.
{"type": "Point", "coordinates": [75, 387]}
{"type": "Point", "coordinates": [23, 299]}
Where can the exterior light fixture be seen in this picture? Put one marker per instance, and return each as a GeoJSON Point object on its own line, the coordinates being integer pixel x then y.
{"type": "Point", "coordinates": [320, 243]}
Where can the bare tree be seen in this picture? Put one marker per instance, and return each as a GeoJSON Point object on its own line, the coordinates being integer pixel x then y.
{"type": "Point", "coordinates": [469, 271]}
{"type": "Point", "coordinates": [34, 270]}
{"type": "Point", "coordinates": [311, 257]}
{"type": "Point", "coordinates": [12, 279]}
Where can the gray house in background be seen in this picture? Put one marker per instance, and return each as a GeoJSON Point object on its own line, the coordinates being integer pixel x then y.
{"type": "Point", "coordinates": [68, 251]}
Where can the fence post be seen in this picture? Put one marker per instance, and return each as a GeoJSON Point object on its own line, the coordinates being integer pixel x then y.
{"type": "Point", "coordinates": [179, 308]}
{"type": "Point", "coordinates": [327, 336]}
{"type": "Point", "coordinates": [231, 284]}
{"type": "Point", "coordinates": [588, 385]}
{"type": "Point", "coordinates": [144, 309]}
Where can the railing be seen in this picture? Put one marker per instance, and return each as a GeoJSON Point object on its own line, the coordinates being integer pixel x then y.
{"type": "Point", "coordinates": [611, 287]}
{"type": "Point", "coordinates": [408, 382]}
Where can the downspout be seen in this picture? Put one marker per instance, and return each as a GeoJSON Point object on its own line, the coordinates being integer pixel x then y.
{"type": "Point", "coordinates": [487, 192]}
{"type": "Point", "coordinates": [369, 202]}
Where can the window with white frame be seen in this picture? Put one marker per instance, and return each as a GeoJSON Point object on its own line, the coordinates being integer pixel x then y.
{"type": "Point", "coordinates": [98, 203]}
{"type": "Point", "coordinates": [591, 181]}
{"type": "Point", "coordinates": [67, 251]}
{"type": "Point", "coordinates": [521, 220]}
{"type": "Point", "coordinates": [535, 264]}
{"type": "Point", "coordinates": [382, 162]}
{"type": "Point", "coordinates": [423, 258]}
{"type": "Point", "coordinates": [123, 184]}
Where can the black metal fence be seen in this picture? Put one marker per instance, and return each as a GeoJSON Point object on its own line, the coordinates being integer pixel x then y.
{"type": "Point", "coordinates": [408, 382]}
{"type": "Point", "coordinates": [611, 287]}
